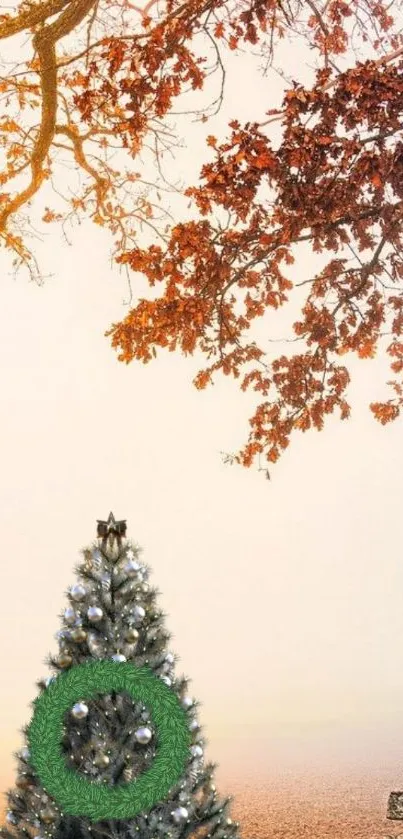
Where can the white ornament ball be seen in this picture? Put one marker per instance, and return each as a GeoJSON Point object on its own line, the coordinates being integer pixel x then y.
{"type": "Point", "coordinates": [70, 615]}
{"type": "Point", "coordinates": [196, 751]}
{"type": "Point", "coordinates": [78, 592]}
{"type": "Point", "coordinates": [167, 680]}
{"type": "Point", "coordinates": [131, 567]}
{"type": "Point", "coordinates": [119, 657]}
{"type": "Point", "coordinates": [169, 658]}
{"type": "Point", "coordinates": [139, 613]}
{"type": "Point", "coordinates": [180, 815]}
{"type": "Point", "coordinates": [79, 710]}
{"type": "Point", "coordinates": [95, 614]}
{"type": "Point", "coordinates": [187, 702]}
{"type": "Point", "coordinates": [143, 735]}
{"type": "Point", "coordinates": [194, 725]}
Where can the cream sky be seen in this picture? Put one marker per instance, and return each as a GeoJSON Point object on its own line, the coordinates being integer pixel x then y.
{"type": "Point", "coordinates": [284, 597]}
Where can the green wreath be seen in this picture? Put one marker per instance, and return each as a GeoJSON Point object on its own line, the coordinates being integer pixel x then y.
{"type": "Point", "coordinates": [75, 794]}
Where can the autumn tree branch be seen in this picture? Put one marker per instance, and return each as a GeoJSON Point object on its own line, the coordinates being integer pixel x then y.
{"type": "Point", "coordinates": [386, 59]}
{"type": "Point", "coordinates": [31, 17]}
{"type": "Point", "coordinates": [45, 45]}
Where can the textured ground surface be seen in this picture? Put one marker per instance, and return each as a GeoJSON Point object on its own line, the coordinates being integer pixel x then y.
{"type": "Point", "coordinates": [315, 807]}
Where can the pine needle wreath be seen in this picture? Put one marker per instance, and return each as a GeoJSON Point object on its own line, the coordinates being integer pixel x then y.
{"type": "Point", "coordinates": [73, 793]}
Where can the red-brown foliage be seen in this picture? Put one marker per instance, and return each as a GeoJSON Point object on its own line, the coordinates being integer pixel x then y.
{"type": "Point", "coordinates": [334, 180]}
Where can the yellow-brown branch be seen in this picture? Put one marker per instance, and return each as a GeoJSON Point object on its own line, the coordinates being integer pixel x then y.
{"type": "Point", "coordinates": [45, 45]}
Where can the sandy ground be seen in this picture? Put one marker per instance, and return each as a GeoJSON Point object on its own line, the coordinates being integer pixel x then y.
{"type": "Point", "coordinates": [318, 806]}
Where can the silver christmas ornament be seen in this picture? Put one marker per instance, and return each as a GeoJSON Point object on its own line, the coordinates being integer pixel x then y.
{"type": "Point", "coordinates": [138, 613]}
{"type": "Point", "coordinates": [49, 680]}
{"type": "Point", "coordinates": [179, 815]}
{"type": "Point", "coordinates": [130, 553]}
{"type": "Point", "coordinates": [79, 710]}
{"type": "Point", "coordinates": [119, 657]}
{"type": "Point", "coordinates": [10, 818]}
{"type": "Point", "coordinates": [128, 773]}
{"type": "Point", "coordinates": [169, 658]}
{"type": "Point", "coordinates": [196, 751]}
{"type": "Point", "coordinates": [95, 614]}
{"type": "Point", "coordinates": [70, 615]}
{"type": "Point", "coordinates": [97, 558]}
{"type": "Point", "coordinates": [187, 702]}
{"type": "Point", "coordinates": [106, 581]}
{"type": "Point", "coordinates": [25, 753]}
{"type": "Point", "coordinates": [143, 735]}
{"type": "Point", "coordinates": [131, 567]}
{"type": "Point", "coordinates": [78, 592]}
{"type": "Point", "coordinates": [167, 680]}
{"type": "Point", "coordinates": [194, 725]}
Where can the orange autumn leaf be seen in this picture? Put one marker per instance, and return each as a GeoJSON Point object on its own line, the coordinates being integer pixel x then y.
{"type": "Point", "coordinates": [385, 412]}
{"type": "Point", "coordinates": [367, 350]}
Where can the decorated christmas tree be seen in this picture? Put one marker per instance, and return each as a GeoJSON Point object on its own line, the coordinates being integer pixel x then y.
{"type": "Point", "coordinates": [98, 760]}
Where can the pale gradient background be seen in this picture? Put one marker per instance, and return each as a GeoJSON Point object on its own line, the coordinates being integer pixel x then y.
{"type": "Point", "coordinates": [285, 598]}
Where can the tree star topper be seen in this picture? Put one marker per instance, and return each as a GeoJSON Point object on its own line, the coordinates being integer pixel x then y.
{"type": "Point", "coordinates": [111, 529]}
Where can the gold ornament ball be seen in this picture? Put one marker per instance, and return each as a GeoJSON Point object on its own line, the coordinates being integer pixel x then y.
{"type": "Point", "coordinates": [101, 760]}
{"type": "Point", "coordinates": [78, 634]}
{"type": "Point", "coordinates": [48, 815]}
{"type": "Point", "coordinates": [23, 782]}
{"type": "Point", "coordinates": [132, 635]}
{"type": "Point", "coordinates": [65, 660]}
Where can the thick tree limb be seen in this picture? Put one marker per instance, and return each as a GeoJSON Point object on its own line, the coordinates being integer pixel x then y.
{"type": "Point", "coordinates": [45, 45]}
{"type": "Point", "coordinates": [31, 17]}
